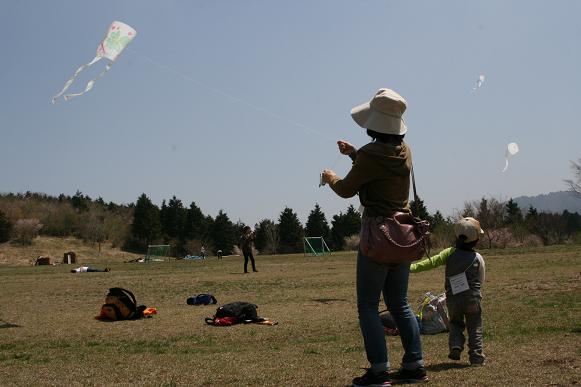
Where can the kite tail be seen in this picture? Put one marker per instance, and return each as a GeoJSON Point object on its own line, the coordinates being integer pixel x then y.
{"type": "Point", "coordinates": [90, 84]}
{"type": "Point", "coordinates": [72, 79]}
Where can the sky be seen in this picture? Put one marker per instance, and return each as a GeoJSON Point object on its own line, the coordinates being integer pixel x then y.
{"type": "Point", "coordinates": [237, 105]}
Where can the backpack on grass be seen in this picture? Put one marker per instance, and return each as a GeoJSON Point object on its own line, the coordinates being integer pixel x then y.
{"type": "Point", "coordinates": [201, 299]}
{"type": "Point", "coordinates": [234, 313]}
{"type": "Point", "coordinates": [120, 304]}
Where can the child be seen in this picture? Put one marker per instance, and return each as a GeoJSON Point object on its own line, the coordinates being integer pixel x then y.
{"type": "Point", "coordinates": [464, 279]}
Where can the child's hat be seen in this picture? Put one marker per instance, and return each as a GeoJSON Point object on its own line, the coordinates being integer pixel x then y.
{"type": "Point", "coordinates": [468, 227]}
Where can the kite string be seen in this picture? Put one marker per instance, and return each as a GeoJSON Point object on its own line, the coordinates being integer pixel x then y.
{"type": "Point", "coordinates": [229, 96]}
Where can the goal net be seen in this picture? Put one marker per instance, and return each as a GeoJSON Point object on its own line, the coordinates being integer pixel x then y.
{"type": "Point", "coordinates": [315, 246]}
{"type": "Point", "coordinates": [157, 253]}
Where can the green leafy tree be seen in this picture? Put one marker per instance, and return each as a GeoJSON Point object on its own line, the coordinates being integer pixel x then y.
{"type": "Point", "coordinates": [290, 232]}
{"type": "Point", "coordinates": [317, 225]}
{"type": "Point", "coordinates": [5, 228]}
{"type": "Point", "coordinates": [146, 226]}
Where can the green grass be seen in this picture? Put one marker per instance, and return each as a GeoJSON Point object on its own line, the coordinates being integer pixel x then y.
{"type": "Point", "coordinates": [48, 334]}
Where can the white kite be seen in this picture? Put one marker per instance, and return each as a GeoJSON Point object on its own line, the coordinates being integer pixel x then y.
{"type": "Point", "coordinates": [511, 150]}
{"type": "Point", "coordinates": [117, 38]}
{"type": "Point", "coordinates": [479, 83]}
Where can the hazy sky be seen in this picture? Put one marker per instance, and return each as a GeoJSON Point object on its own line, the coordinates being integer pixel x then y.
{"type": "Point", "coordinates": [237, 105]}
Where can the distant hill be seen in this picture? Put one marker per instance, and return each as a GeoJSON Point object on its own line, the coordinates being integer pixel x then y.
{"type": "Point", "coordinates": [551, 202]}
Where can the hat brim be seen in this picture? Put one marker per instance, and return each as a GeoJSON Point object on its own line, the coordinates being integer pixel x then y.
{"type": "Point", "coordinates": [368, 118]}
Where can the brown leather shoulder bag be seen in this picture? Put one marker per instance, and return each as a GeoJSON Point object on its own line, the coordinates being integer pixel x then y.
{"type": "Point", "coordinates": [394, 239]}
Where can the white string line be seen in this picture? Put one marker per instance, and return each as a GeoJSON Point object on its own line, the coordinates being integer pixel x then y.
{"type": "Point", "coordinates": [230, 96]}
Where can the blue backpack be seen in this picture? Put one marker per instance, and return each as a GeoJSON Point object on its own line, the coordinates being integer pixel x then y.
{"type": "Point", "coordinates": [202, 299]}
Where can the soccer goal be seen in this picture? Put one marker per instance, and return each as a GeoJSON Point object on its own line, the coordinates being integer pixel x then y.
{"type": "Point", "coordinates": [157, 253]}
{"type": "Point", "coordinates": [315, 246]}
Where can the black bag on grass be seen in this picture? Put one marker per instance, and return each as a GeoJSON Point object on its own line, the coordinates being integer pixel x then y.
{"type": "Point", "coordinates": [120, 304]}
{"type": "Point", "coordinates": [242, 311]}
{"type": "Point", "coordinates": [234, 313]}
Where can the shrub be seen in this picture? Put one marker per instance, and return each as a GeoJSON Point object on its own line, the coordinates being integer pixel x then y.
{"type": "Point", "coordinates": [351, 242]}
{"type": "Point", "coordinates": [25, 230]}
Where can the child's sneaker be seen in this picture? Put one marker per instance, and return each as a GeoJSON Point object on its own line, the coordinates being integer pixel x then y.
{"type": "Point", "coordinates": [455, 353]}
{"type": "Point", "coordinates": [477, 362]}
{"type": "Point", "coordinates": [409, 376]}
{"type": "Point", "coordinates": [372, 379]}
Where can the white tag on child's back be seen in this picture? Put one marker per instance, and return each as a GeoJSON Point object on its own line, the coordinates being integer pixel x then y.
{"type": "Point", "coordinates": [459, 283]}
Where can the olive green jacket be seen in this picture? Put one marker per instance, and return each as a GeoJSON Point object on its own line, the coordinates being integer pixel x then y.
{"type": "Point", "coordinates": [381, 175]}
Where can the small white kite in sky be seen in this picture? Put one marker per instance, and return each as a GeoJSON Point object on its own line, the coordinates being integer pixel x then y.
{"type": "Point", "coordinates": [511, 150]}
{"type": "Point", "coordinates": [117, 38]}
{"type": "Point", "coordinates": [479, 83]}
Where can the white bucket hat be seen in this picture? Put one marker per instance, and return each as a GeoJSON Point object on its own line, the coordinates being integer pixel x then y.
{"type": "Point", "coordinates": [383, 113]}
{"type": "Point", "coordinates": [469, 227]}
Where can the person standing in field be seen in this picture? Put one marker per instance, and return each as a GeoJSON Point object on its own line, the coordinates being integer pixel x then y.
{"type": "Point", "coordinates": [246, 244]}
{"type": "Point", "coordinates": [465, 275]}
{"type": "Point", "coordinates": [381, 176]}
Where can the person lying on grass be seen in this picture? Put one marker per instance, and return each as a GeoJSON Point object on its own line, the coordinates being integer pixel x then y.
{"type": "Point", "coordinates": [465, 274]}
{"type": "Point", "coordinates": [88, 269]}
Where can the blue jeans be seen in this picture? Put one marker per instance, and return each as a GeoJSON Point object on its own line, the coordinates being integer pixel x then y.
{"type": "Point", "coordinates": [372, 280]}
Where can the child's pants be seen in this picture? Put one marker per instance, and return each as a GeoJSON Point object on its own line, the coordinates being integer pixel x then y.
{"type": "Point", "coordinates": [467, 308]}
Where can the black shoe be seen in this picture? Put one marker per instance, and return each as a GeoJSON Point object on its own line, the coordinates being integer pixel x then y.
{"type": "Point", "coordinates": [372, 379]}
{"type": "Point", "coordinates": [256, 271]}
{"type": "Point", "coordinates": [455, 353]}
{"type": "Point", "coordinates": [409, 376]}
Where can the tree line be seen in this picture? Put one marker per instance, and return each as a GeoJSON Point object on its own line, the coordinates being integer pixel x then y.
{"type": "Point", "coordinates": [186, 228]}
{"type": "Point", "coordinates": [135, 226]}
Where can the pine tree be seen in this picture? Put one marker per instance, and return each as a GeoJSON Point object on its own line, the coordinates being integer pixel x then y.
{"type": "Point", "coordinates": [174, 219]}
{"type": "Point", "coordinates": [345, 225]}
{"type": "Point", "coordinates": [146, 227]}
{"type": "Point", "coordinates": [513, 213]}
{"type": "Point", "coordinates": [223, 233]}
{"type": "Point", "coordinates": [5, 228]}
{"type": "Point", "coordinates": [437, 220]}
{"type": "Point", "coordinates": [419, 209]}
{"type": "Point", "coordinates": [290, 232]}
{"type": "Point", "coordinates": [317, 225]}
{"type": "Point", "coordinates": [267, 240]}
{"type": "Point", "coordinates": [194, 227]}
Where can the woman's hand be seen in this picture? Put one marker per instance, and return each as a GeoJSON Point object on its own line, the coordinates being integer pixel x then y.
{"type": "Point", "coordinates": [328, 175]}
{"type": "Point", "coordinates": [345, 148]}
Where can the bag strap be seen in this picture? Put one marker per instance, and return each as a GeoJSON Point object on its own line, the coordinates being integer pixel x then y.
{"type": "Point", "coordinates": [416, 200]}
{"type": "Point", "coordinates": [416, 197]}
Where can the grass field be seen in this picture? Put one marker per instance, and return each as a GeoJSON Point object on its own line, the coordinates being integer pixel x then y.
{"type": "Point", "coordinates": [48, 336]}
